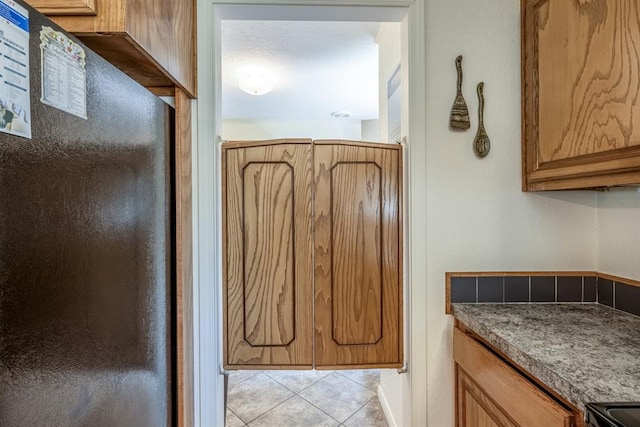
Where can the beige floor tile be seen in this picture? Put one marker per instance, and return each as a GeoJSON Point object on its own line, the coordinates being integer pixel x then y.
{"type": "Point", "coordinates": [297, 381]}
{"type": "Point", "coordinates": [337, 396]}
{"type": "Point", "coordinates": [232, 420]}
{"type": "Point", "coordinates": [371, 415]}
{"type": "Point", "coordinates": [255, 396]}
{"type": "Point", "coordinates": [295, 412]}
{"type": "Point", "coordinates": [370, 378]}
{"type": "Point", "coordinates": [236, 377]}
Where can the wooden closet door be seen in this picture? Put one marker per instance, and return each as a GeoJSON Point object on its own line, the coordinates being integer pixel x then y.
{"type": "Point", "coordinates": [268, 254]}
{"type": "Point", "coordinates": [358, 229]}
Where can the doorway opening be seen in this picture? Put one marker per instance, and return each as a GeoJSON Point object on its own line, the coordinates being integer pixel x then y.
{"type": "Point", "coordinates": [320, 80]}
{"type": "Point", "coordinates": [408, 393]}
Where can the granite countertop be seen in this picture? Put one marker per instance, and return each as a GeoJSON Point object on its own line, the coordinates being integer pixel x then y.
{"type": "Point", "coordinates": [585, 352]}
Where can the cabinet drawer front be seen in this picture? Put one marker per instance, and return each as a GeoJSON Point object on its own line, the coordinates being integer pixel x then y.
{"type": "Point", "coordinates": [524, 402]}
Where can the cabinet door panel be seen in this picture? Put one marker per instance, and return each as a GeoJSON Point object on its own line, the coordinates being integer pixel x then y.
{"type": "Point", "coordinates": [356, 214]}
{"type": "Point", "coordinates": [268, 260]}
{"type": "Point", "coordinates": [358, 286]}
{"type": "Point", "coordinates": [267, 265]}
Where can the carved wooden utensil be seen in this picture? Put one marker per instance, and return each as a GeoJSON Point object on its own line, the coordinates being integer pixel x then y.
{"type": "Point", "coordinates": [481, 143]}
{"type": "Point", "coordinates": [459, 119]}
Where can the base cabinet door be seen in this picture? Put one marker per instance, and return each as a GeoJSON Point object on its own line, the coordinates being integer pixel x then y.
{"type": "Point", "coordinates": [475, 408]}
{"type": "Point", "coordinates": [267, 255]}
{"type": "Point", "coordinates": [489, 392]}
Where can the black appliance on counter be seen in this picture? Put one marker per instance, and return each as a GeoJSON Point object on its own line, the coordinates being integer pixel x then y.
{"type": "Point", "coordinates": [85, 244]}
{"type": "Point", "coordinates": [613, 414]}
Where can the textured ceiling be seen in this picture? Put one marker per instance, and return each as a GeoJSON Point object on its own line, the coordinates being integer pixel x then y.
{"type": "Point", "coordinates": [316, 67]}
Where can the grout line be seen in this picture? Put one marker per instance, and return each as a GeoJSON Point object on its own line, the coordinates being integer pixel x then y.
{"type": "Point", "coordinates": [476, 289]}
{"type": "Point", "coordinates": [582, 299]}
{"type": "Point", "coordinates": [320, 409]}
{"type": "Point", "coordinates": [503, 295]}
{"type": "Point", "coordinates": [613, 285]}
{"type": "Point", "coordinates": [529, 289]}
{"type": "Point", "coordinates": [271, 409]}
{"type": "Point", "coordinates": [555, 290]}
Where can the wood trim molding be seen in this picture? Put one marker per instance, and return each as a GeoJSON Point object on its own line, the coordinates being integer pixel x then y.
{"type": "Point", "coordinates": [162, 90]}
{"type": "Point", "coordinates": [357, 144]}
{"type": "Point", "coordinates": [618, 279]}
{"type": "Point", "coordinates": [65, 7]}
{"type": "Point", "coordinates": [184, 261]}
{"type": "Point", "coordinates": [229, 145]}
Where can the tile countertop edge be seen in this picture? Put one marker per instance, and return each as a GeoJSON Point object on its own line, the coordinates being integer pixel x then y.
{"type": "Point", "coordinates": [529, 364]}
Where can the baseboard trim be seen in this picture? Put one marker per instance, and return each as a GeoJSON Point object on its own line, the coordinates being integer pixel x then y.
{"type": "Point", "coordinates": [385, 408]}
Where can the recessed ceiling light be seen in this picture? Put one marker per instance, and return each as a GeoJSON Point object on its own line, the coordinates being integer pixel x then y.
{"type": "Point", "coordinates": [341, 114]}
{"type": "Point", "coordinates": [256, 85]}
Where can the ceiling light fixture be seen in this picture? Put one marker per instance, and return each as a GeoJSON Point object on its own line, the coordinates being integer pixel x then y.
{"type": "Point", "coordinates": [256, 84]}
{"type": "Point", "coordinates": [341, 114]}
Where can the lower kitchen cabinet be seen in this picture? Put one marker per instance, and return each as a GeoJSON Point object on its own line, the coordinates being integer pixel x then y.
{"type": "Point", "coordinates": [312, 254]}
{"type": "Point", "coordinates": [491, 392]}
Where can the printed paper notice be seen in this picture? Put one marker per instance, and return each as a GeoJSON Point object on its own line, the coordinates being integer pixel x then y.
{"type": "Point", "coordinates": [15, 106]}
{"type": "Point", "coordinates": [64, 78]}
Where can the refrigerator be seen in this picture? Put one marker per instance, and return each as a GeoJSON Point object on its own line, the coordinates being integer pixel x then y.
{"type": "Point", "coordinates": [86, 248]}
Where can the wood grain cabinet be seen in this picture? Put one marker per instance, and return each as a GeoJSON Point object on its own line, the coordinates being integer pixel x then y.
{"type": "Point", "coordinates": [152, 41]}
{"type": "Point", "coordinates": [491, 393]}
{"type": "Point", "coordinates": [581, 93]}
{"type": "Point", "coordinates": [312, 254]}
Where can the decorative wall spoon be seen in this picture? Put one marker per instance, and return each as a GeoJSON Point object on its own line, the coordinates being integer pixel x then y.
{"type": "Point", "coordinates": [481, 143]}
{"type": "Point", "coordinates": [459, 119]}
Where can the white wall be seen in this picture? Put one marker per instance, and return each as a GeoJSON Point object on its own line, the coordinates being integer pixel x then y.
{"type": "Point", "coordinates": [241, 130]}
{"type": "Point", "coordinates": [371, 130]}
{"type": "Point", "coordinates": [389, 40]}
{"type": "Point", "coordinates": [618, 230]}
{"type": "Point", "coordinates": [389, 57]}
{"type": "Point", "coordinates": [477, 217]}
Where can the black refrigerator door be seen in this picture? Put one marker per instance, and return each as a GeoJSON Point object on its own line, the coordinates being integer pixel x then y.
{"type": "Point", "coordinates": [85, 255]}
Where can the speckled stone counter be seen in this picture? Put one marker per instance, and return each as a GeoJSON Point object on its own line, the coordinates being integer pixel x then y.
{"type": "Point", "coordinates": [585, 352]}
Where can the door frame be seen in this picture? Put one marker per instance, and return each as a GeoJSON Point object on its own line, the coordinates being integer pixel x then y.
{"type": "Point", "coordinates": [208, 384]}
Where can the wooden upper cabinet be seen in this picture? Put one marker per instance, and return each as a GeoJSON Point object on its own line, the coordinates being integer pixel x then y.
{"type": "Point", "coordinates": [581, 93]}
{"type": "Point", "coordinates": [267, 254]}
{"type": "Point", "coordinates": [358, 244]}
{"type": "Point", "coordinates": [152, 41]}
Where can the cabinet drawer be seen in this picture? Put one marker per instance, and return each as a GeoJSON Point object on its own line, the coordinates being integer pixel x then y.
{"type": "Point", "coordinates": [523, 401]}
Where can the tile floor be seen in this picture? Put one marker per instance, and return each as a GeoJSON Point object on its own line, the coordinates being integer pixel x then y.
{"type": "Point", "coordinates": [304, 399]}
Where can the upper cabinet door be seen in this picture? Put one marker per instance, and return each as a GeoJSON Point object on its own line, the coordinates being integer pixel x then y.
{"type": "Point", "coordinates": [152, 41]}
{"type": "Point", "coordinates": [267, 253]}
{"type": "Point", "coordinates": [581, 97]}
{"type": "Point", "coordinates": [358, 285]}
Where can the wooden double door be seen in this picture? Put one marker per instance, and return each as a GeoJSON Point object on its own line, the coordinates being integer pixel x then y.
{"type": "Point", "coordinates": [312, 254]}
